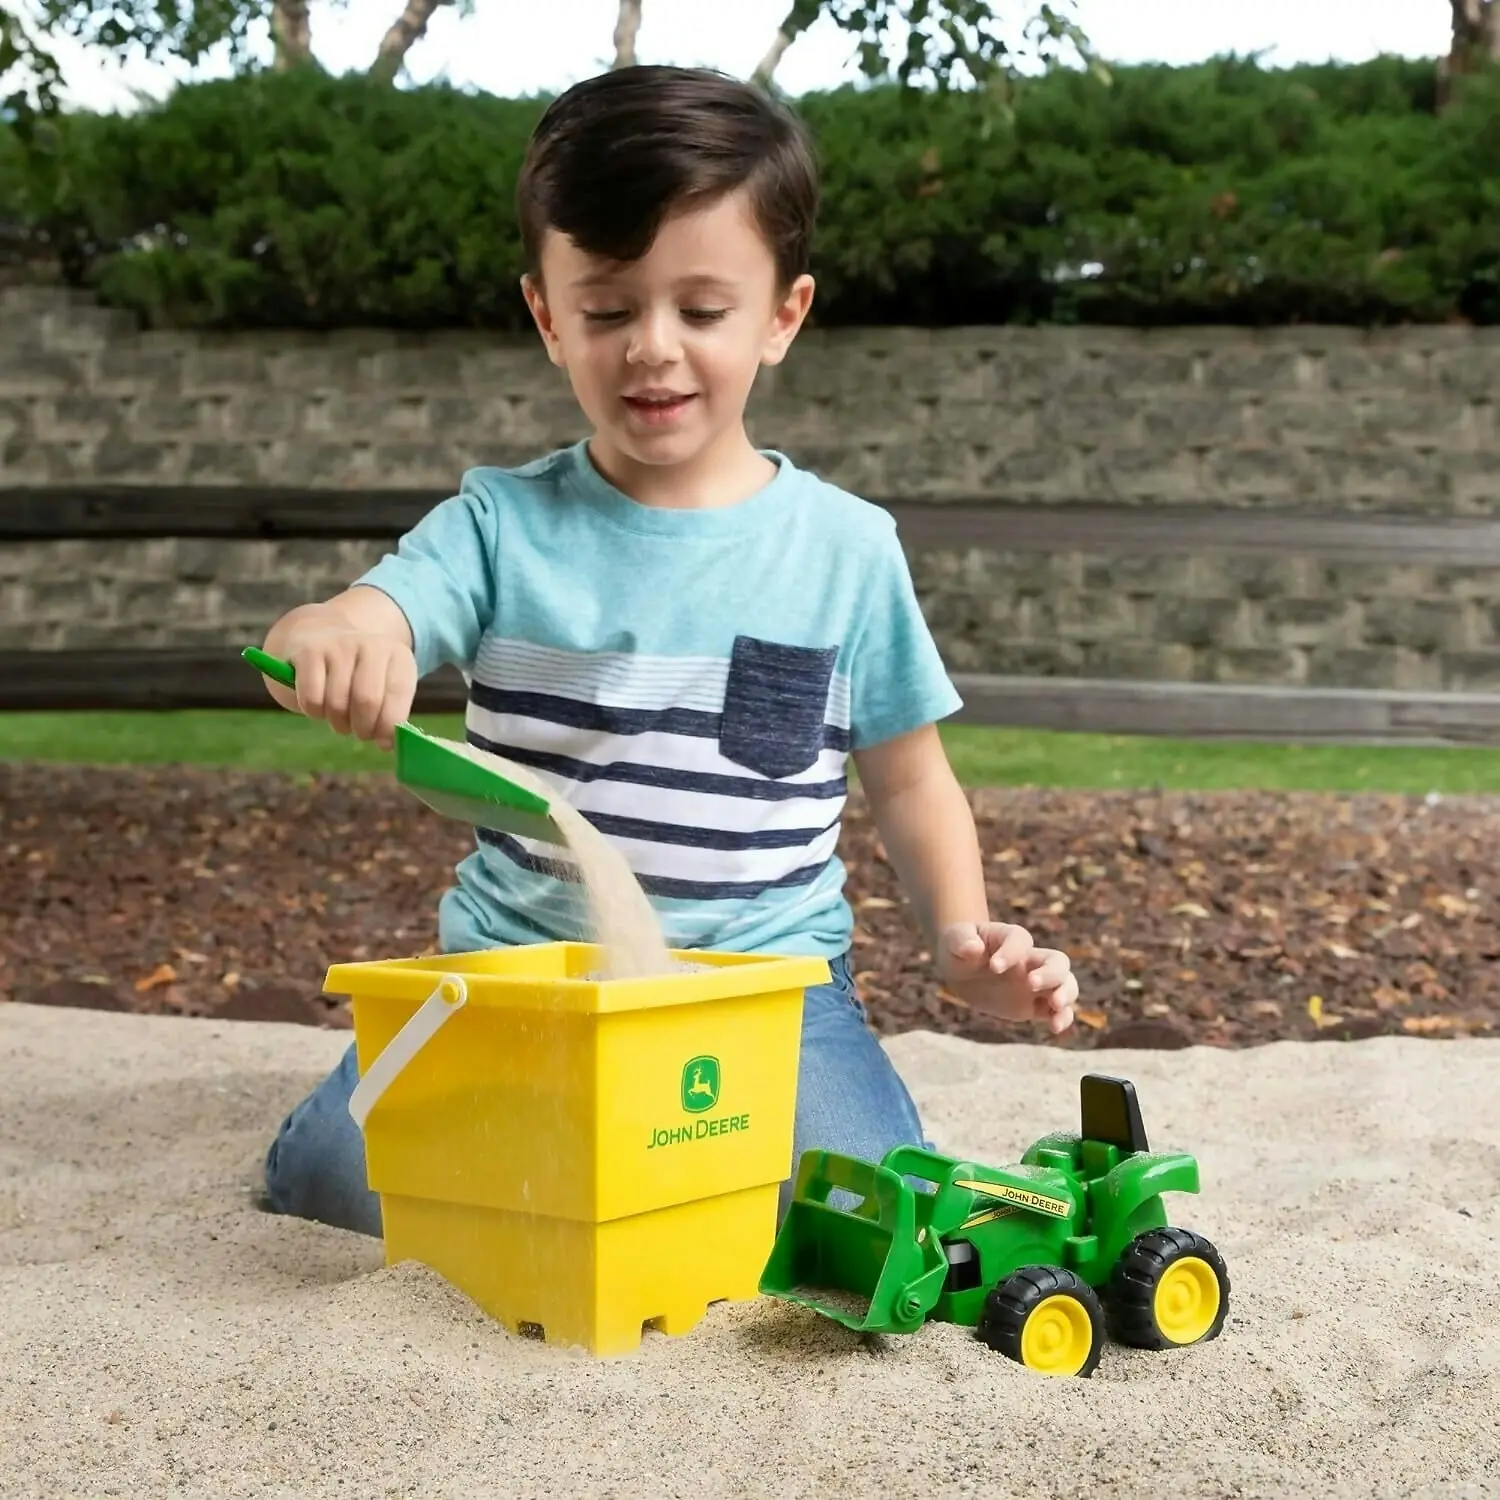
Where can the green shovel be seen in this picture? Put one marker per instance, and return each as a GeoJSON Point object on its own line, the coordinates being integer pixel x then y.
{"type": "Point", "coordinates": [439, 773]}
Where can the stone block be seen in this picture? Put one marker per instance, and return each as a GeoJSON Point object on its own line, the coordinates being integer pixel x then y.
{"type": "Point", "coordinates": [118, 457]}
{"type": "Point", "coordinates": [1200, 623]}
{"type": "Point", "coordinates": [165, 414]}
{"type": "Point", "coordinates": [1422, 625]}
{"type": "Point", "coordinates": [30, 635]}
{"type": "Point", "coordinates": [1369, 365]}
{"type": "Point", "coordinates": [1314, 419]}
{"type": "Point", "coordinates": [1149, 661]}
{"type": "Point", "coordinates": [1009, 658]}
{"type": "Point", "coordinates": [1189, 419]}
{"type": "Point", "coordinates": [1136, 369]}
{"type": "Point", "coordinates": [1291, 621]}
{"type": "Point", "coordinates": [28, 371]}
{"type": "Point", "coordinates": [219, 366]}
{"type": "Point", "coordinates": [1137, 574]}
{"type": "Point", "coordinates": [79, 328]}
{"type": "Point", "coordinates": [1269, 473]}
{"type": "Point", "coordinates": [258, 600]}
{"type": "Point", "coordinates": [1470, 372]}
{"type": "Point", "coordinates": [1234, 365]}
{"type": "Point", "coordinates": [1143, 475]}
{"type": "Point", "coordinates": [1471, 671]}
{"type": "Point", "coordinates": [327, 366]}
{"type": "Point", "coordinates": [25, 461]}
{"type": "Point", "coordinates": [17, 418]}
{"type": "Point", "coordinates": [137, 366]}
{"type": "Point", "coordinates": [1387, 477]}
{"type": "Point", "coordinates": [1371, 580]}
{"type": "Point", "coordinates": [81, 415]}
{"type": "Point", "coordinates": [226, 463]}
{"type": "Point", "coordinates": [1268, 665]}
{"type": "Point", "coordinates": [254, 413]}
{"type": "Point", "coordinates": [1472, 482]}
{"type": "Point", "coordinates": [1221, 575]}
{"type": "Point", "coordinates": [924, 468]}
{"type": "Point", "coordinates": [1047, 473]}
{"type": "Point", "coordinates": [1071, 616]}
{"type": "Point", "coordinates": [1365, 667]}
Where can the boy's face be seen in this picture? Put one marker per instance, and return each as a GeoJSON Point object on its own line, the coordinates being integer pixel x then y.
{"type": "Point", "coordinates": [662, 353]}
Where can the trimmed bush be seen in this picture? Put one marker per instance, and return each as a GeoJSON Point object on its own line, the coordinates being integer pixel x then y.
{"type": "Point", "coordinates": [1220, 193]}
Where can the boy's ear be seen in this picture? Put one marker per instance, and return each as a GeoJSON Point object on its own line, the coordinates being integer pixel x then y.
{"type": "Point", "coordinates": [787, 320]}
{"type": "Point", "coordinates": [541, 315]}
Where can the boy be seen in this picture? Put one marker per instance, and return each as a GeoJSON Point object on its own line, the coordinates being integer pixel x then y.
{"type": "Point", "coordinates": [686, 634]}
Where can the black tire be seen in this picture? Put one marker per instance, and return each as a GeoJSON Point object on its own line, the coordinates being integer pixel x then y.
{"type": "Point", "coordinates": [1138, 1274]}
{"type": "Point", "coordinates": [1011, 1305]}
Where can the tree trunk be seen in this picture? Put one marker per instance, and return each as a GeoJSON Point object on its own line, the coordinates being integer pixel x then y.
{"type": "Point", "coordinates": [291, 31]}
{"type": "Point", "coordinates": [408, 29]}
{"type": "Point", "coordinates": [802, 14]}
{"type": "Point", "coordinates": [627, 25]}
{"type": "Point", "coordinates": [1475, 44]}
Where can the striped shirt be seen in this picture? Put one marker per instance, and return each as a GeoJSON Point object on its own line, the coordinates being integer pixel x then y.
{"type": "Point", "coordinates": [692, 680]}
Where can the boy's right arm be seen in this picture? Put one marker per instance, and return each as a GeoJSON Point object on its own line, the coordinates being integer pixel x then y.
{"type": "Point", "coordinates": [354, 663]}
{"type": "Point", "coordinates": [358, 656]}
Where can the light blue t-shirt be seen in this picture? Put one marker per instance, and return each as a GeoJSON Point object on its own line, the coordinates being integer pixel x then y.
{"type": "Point", "coordinates": [691, 680]}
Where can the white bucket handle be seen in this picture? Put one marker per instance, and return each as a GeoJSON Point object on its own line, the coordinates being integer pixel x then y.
{"type": "Point", "coordinates": [447, 998]}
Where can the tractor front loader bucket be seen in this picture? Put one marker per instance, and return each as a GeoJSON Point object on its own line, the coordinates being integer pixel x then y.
{"type": "Point", "coordinates": [872, 1266]}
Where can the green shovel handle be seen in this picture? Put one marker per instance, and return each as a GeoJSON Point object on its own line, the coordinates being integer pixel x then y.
{"type": "Point", "coordinates": [273, 666]}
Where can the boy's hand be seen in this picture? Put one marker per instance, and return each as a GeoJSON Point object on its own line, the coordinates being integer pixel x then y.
{"type": "Point", "coordinates": [995, 967]}
{"type": "Point", "coordinates": [360, 683]}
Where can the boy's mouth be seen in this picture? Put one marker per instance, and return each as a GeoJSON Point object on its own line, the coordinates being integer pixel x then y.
{"type": "Point", "coordinates": [659, 406]}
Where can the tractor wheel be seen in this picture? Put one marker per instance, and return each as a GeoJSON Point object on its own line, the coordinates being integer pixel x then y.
{"type": "Point", "coordinates": [1170, 1288]}
{"type": "Point", "coordinates": [1046, 1319]}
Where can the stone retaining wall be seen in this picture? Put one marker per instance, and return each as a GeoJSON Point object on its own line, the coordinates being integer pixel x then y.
{"type": "Point", "coordinates": [1325, 420]}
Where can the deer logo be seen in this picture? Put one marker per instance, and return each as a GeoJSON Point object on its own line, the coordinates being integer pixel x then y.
{"type": "Point", "coordinates": [700, 1084]}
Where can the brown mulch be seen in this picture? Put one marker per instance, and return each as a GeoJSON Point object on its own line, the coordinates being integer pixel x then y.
{"type": "Point", "coordinates": [1226, 919]}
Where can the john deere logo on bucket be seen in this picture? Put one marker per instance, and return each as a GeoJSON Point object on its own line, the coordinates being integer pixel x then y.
{"type": "Point", "coordinates": [700, 1084]}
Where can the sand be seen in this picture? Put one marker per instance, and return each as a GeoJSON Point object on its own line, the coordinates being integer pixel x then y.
{"type": "Point", "coordinates": [160, 1336]}
{"type": "Point", "coordinates": [617, 913]}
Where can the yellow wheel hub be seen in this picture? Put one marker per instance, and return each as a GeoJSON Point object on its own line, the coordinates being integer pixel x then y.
{"type": "Point", "coordinates": [1057, 1337]}
{"type": "Point", "coordinates": [1187, 1300]}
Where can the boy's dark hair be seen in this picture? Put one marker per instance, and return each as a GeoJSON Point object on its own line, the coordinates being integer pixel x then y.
{"type": "Point", "coordinates": [613, 156]}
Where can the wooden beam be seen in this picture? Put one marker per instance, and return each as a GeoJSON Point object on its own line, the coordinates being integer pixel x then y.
{"type": "Point", "coordinates": [234, 513]}
{"type": "Point", "coordinates": [168, 678]}
{"type": "Point", "coordinates": [100, 681]}
{"type": "Point", "coordinates": [1198, 710]}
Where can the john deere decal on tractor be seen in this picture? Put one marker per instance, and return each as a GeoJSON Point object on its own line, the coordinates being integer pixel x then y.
{"type": "Point", "coordinates": [1039, 1258]}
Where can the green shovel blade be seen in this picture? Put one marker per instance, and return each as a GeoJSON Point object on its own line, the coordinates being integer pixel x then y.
{"type": "Point", "coordinates": [438, 773]}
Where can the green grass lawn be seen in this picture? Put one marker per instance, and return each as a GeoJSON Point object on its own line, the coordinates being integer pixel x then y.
{"type": "Point", "coordinates": [271, 740]}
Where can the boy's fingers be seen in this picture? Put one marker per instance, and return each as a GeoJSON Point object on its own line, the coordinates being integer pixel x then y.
{"type": "Point", "coordinates": [340, 669]}
{"type": "Point", "coordinates": [367, 691]}
{"type": "Point", "coordinates": [400, 690]}
{"type": "Point", "coordinates": [964, 942]}
{"type": "Point", "coordinates": [312, 685]}
{"type": "Point", "coordinates": [1053, 970]}
{"type": "Point", "coordinates": [1014, 949]}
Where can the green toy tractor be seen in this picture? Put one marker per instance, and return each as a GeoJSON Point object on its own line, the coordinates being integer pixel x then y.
{"type": "Point", "coordinates": [1040, 1259]}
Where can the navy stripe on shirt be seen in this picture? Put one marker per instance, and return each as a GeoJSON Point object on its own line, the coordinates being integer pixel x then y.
{"type": "Point", "coordinates": [607, 718]}
{"type": "Point", "coordinates": [657, 885]}
{"type": "Point", "coordinates": [664, 778]}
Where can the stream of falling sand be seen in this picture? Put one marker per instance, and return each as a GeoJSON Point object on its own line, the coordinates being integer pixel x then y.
{"type": "Point", "coordinates": [622, 921]}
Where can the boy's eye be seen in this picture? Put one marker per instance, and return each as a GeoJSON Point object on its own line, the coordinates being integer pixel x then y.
{"type": "Point", "coordinates": [705, 314]}
{"type": "Point", "coordinates": [603, 317]}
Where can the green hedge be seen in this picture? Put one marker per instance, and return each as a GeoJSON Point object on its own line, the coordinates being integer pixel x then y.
{"type": "Point", "coordinates": [1216, 193]}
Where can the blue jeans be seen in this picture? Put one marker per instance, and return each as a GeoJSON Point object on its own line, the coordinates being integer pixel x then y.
{"type": "Point", "coordinates": [849, 1098]}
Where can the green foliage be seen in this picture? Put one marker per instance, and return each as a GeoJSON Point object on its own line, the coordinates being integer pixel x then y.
{"type": "Point", "coordinates": [1217, 193]}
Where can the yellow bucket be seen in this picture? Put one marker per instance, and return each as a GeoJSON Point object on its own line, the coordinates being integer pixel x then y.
{"type": "Point", "coordinates": [582, 1158]}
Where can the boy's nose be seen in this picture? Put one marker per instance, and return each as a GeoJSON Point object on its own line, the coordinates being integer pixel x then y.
{"type": "Point", "coordinates": [653, 342]}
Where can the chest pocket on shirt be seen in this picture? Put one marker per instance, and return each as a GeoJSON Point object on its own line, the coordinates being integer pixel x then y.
{"type": "Point", "coordinates": [775, 702]}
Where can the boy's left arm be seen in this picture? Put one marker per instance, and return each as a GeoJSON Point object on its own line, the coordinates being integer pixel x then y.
{"type": "Point", "coordinates": [928, 830]}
